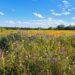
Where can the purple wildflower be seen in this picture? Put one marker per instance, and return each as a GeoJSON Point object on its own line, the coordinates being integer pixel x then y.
{"type": "Point", "coordinates": [73, 67]}
{"type": "Point", "coordinates": [55, 60]}
{"type": "Point", "coordinates": [61, 51]}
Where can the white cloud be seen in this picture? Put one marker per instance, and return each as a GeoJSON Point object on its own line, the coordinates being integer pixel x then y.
{"type": "Point", "coordinates": [66, 3]}
{"type": "Point", "coordinates": [10, 22]}
{"type": "Point", "coordinates": [56, 14]}
{"type": "Point", "coordinates": [45, 23]}
{"type": "Point", "coordinates": [69, 9]}
{"type": "Point", "coordinates": [66, 13]}
{"type": "Point", "coordinates": [65, 8]}
{"type": "Point", "coordinates": [56, 22]}
{"type": "Point", "coordinates": [38, 15]}
{"type": "Point", "coordinates": [1, 13]}
{"type": "Point", "coordinates": [60, 14]}
{"type": "Point", "coordinates": [52, 10]}
{"type": "Point", "coordinates": [35, 23]}
{"type": "Point", "coordinates": [73, 18]}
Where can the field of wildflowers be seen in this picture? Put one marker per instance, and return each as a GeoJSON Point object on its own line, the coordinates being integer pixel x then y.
{"type": "Point", "coordinates": [37, 52]}
{"type": "Point", "coordinates": [34, 32]}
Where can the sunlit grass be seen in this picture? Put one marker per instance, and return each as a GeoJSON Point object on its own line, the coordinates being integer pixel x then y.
{"type": "Point", "coordinates": [34, 32]}
{"type": "Point", "coordinates": [37, 52]}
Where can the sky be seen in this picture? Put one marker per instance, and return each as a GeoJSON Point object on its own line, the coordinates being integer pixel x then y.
{"type": "Point", "coordinates": [36, 13]}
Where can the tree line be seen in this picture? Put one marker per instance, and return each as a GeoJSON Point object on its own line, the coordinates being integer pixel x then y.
{"type": "Point", "coordinates": [59, 27]}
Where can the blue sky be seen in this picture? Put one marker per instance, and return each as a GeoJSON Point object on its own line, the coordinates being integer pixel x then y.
{"type": "Point", "coordinates": [36, 13]}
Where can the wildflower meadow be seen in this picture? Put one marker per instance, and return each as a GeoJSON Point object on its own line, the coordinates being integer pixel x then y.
{"type": "Point", "coordinates": [38, 54]}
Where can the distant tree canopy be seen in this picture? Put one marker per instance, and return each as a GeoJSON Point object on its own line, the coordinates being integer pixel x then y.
{"type": "Point", "coordinates": [59, 27]}
{"type": "Point", "coordinates": [63, 27]}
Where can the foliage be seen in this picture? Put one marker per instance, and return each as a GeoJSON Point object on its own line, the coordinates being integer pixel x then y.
{"type": "Point", "coordinates": [38, 54]}
{"type": "Point", "coordinates": [58, 27]}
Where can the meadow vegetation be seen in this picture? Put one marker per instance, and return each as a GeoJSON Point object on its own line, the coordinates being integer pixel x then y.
{"type": "Point", "coordinates": [43, 53]}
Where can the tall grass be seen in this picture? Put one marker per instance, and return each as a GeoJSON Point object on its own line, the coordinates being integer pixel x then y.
{"type": "Point", "coordinates": [21, 54]}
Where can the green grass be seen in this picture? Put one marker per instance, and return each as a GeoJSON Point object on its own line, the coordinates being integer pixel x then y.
{"type": "Point", "coordinates": [37, 55]}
